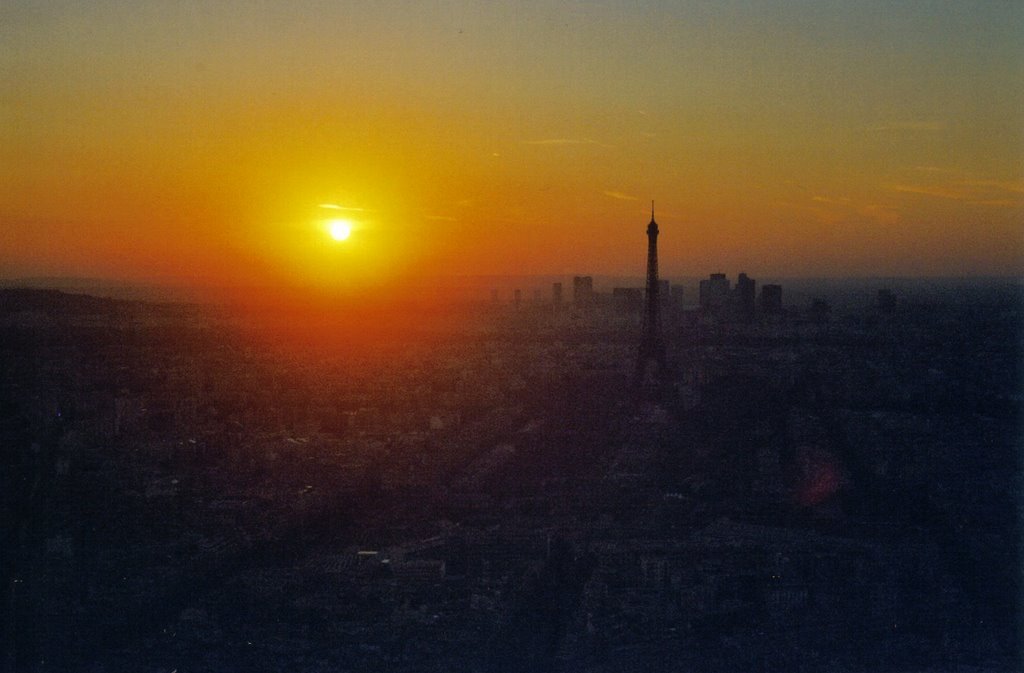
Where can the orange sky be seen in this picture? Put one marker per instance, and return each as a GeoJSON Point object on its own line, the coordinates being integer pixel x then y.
{"type": "Point", "coordinates": [179, 142]}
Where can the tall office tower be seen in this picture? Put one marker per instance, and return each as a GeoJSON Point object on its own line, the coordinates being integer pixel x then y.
{"type": "Point", "coordinates": [556, 294]}
{"type": "Point", "coordinates": [714, 293]}
{"type": "Point", "coordinates": [745, 295]}
{"type": "Point", "coordinates": [582, 290]}
{"type": "Point", "coordinates": [652, 345]}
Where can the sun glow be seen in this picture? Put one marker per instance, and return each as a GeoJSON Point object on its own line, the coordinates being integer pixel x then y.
{"type": "Point", "coordinates": [339, 230]}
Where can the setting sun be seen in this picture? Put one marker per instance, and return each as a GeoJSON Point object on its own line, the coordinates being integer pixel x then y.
{"type": "Point", "coordinates": [340, 230]}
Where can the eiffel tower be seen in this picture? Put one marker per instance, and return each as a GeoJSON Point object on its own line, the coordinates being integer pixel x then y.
{"type": "Point", "coordinates": [651, 357]}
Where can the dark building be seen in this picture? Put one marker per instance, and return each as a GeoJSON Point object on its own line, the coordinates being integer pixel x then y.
{"type": "Point", "coordinates": [556, 294]}
{"type": "Point", "coordinates": [583, 290]}
{"type": "Point", "coordinates": [771, 299]}
{"type": "Point", "coordinates": [744, 295]}
{"type": "Point", "coordinates": [714, 293]}
{"type": "Point", "coordinates": [628, 299]}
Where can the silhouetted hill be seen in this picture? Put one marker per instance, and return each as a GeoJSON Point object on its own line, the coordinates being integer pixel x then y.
{"type": "Point", "coordinates": [16, 300]}
{"type": "Point", "coordinates": [106, 288]}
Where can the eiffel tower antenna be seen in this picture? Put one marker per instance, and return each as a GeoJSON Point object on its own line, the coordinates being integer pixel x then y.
{"type": "Point", "coordinates": [652, 344]}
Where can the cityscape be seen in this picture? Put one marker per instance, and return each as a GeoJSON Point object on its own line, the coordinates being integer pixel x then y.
{"type": "Point", "coordinates": [512, 336]}
{"type": "Point", "coordinates": [607, 481]}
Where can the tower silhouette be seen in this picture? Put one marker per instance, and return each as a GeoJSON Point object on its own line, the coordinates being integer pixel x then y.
{"type": "Point", "coordinates": [652, 344]}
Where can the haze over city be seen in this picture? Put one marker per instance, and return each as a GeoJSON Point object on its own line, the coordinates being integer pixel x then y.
{"type": "Point", "coordinates": [213, 144]}
{"type": "Point", "coordinates": [511, 337]}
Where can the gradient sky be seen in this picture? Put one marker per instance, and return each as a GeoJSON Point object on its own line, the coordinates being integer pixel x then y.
{"type": "Point", "coordinates": [198, 142]}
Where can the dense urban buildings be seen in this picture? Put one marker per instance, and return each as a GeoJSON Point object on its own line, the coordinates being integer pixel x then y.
{"type": "Point", "coordinates": [811, 490]}
{"type": "Point", "coordinates": [329, 343]}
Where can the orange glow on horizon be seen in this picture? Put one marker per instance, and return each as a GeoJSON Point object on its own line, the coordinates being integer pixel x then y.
{"type": "Point", "coordinates": [196, 160]}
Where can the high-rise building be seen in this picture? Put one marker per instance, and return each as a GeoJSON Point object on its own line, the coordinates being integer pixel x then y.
{"type": "Point", "coordinates": [714, 293]}
{"type": "Point", "coordinates": [628, 300]}
{"type": "Point", "coordinates": [556, 294]}
{"type": "Point", "coordinates": [744, 294]}
{"type": "Point", "coordinates": [582, 290]}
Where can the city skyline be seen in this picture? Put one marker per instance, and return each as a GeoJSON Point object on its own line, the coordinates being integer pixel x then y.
{"type": "Point", "coordinates": [343, 148]}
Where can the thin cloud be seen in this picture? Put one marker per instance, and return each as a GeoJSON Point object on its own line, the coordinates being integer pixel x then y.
{"type": "Point", "coordinates": [440, 218]}
{"type": "Point", "coordinates": [1015, 187]}
{"type": "Point", "coordinates": [1002, 203]}
{"type": "Point", "coordinates": [566, 141]}
{"type": "Point", "coordinates": [831, 210]}
{"type": "Point", "coordinates": [935, 170]}
{"type": "Point", "coordinates": [977, 192]}
{"type": "Point", "coordinates": [927, 126]}
{"type": "Point", "coordinates": [334, 206]}
{"type": "Point", "coordinates": [842, 201]}
{"type": "Point", "coordinates": [938, 191]}
{"type": "Point", "coordinates": [620, 195]}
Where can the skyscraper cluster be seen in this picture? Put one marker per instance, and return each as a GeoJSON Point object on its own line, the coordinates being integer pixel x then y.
{"type": "Point", "coordinates": [720, 299]}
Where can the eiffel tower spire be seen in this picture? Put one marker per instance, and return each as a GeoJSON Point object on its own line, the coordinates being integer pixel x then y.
{"type": "Point", "coordinates": [652, 344]}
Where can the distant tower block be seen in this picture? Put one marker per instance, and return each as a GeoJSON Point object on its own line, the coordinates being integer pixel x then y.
{"type": "Point", "coordinates": [651, 360]}
{"type": "Point", "coordinates": [582, 291]}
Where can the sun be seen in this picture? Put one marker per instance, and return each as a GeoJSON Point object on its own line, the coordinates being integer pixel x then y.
{"type": "Point", "coordinates": [339, 230]}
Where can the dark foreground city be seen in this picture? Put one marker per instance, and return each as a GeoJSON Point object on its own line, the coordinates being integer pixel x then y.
{"type": "Point", "coordinates": [830, 483]}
